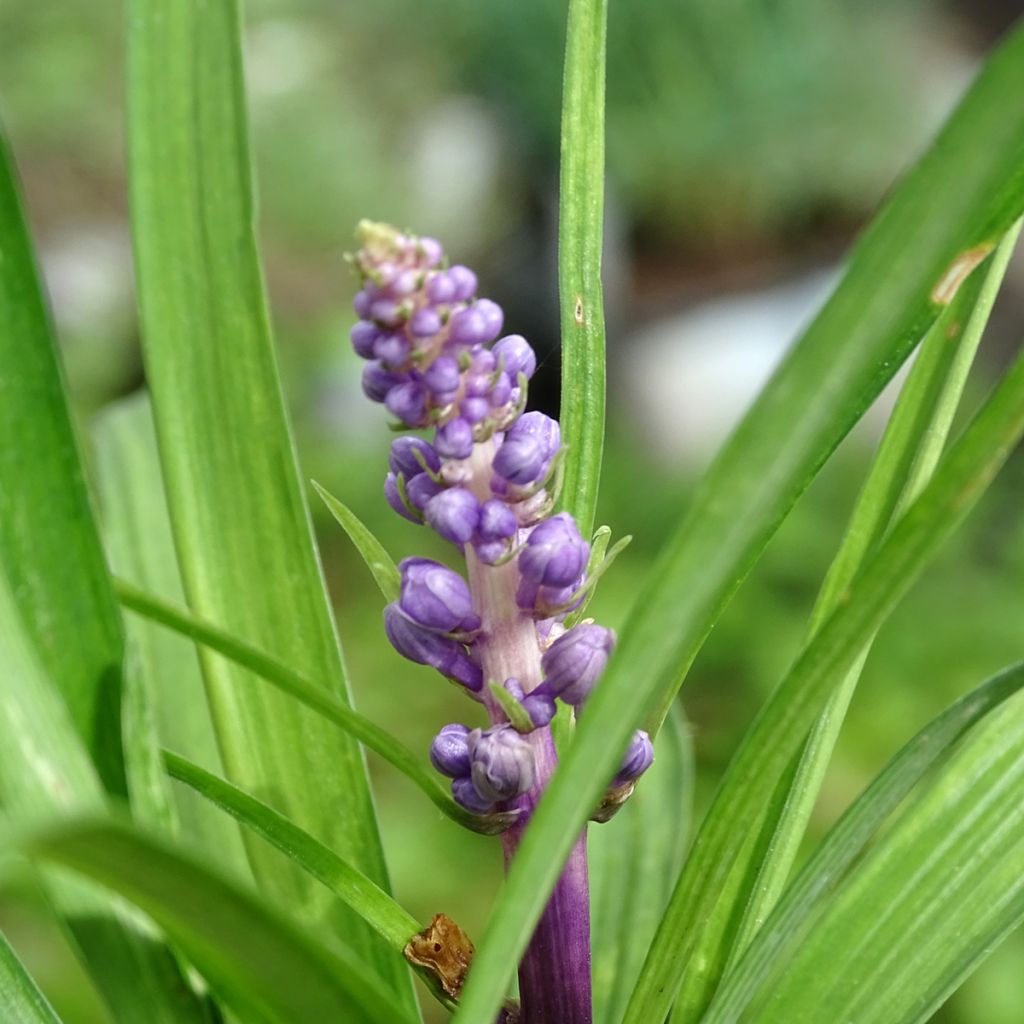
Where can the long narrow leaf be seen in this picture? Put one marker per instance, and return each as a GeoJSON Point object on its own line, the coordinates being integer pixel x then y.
{"type": "Point", "coordinates": [580, 230]}
{"type": "Point", "coordinates": [846, 841]}
{"type": "Point", "coordinates": [163, 679]}
{"type": "Point", "coordinates": [916, 434]}
{"type": "Point", "coordinates": [21, 1000]}
{"type": "Point", "coordinates": [779, 730]}
{"type": "Point", "coordinates": [936, 895]}
{"type": "Point", "coordinates": [256, 960]}
{"type": "Point", "coordinates": [899, 277]}
{"type": "Point", "coordinates": [241, 524]}
{"type": "Point", "coordinates": [378, 561]}
{"type": "Point", "coordinates": [49, 549]}
{"type": "Point", "coordinates": [312, 696]}
{"type": "Point", "coordinates": [45, 773]}
{"type": "Point", "coordinates": [392, 922]}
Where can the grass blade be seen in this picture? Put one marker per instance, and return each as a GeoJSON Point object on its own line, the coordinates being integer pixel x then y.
{"type": "Point", "coordinates": [914, 438]}
{"type": "Point", "coordinates": [163, 679]}
{"type": "Point", "coordinates": [580, 230]}
{"type": "Point", "coordinates": [633, 859]}
{"type": "Point", "coordinates": [847, 840]}
{"type": "Point", "coordinates": [45, 772]}
{"type": "Point", "coordinates": [389, 920]}
{"type": "Point", "coordinates": [975, 174]}
{"type": "Point", "coordinates": [779, 730]}
{"type": "Point", "coordinates": [49, 548]}
{"type": "Point", "coordinates": [22, 1001]}
{"type": "Point", "coordinates": [241, 524]}
{"type": "Point", "coordinates": [257, 961]}
{"type": "Point", "coordinates": [312, 696]}
{"type": "Point", "coordinates": [936, 895]}
{"type": "Point", "coordinates": [378, 561]}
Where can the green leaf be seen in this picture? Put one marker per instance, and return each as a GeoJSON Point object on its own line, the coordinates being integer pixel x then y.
{"type": "Point", "coordinates": [45, 773]}
{"type": "Point", "coordinates": [830, 862]}
{"type": "Point", "coordinates": [633, 859]}
{"type": "Point", "coordinates": [241, 524]}
{"type": "Point", "coordinates": [377, 560]}
{"type": "Point", "coordinates": [914, 438]}
{"type": "Point", "coordinates": [974, 175]}
{"type": "Point", "coordinates": [928, 903]}
{"type": "Point", "coordinates": [778, 732]}
{"type": "Point", "coordinates": [391, 921]}
{"type": "Point", "coordinates": [22, 1001]}
{"type": "Point", "coordinates": [165, 700]}
{"type": "Point", "coordinates": [49, 549]}
{"type": "Point", "coordinates": [261, 964]}
{"type": "Point", "coordinates": [580, 230]}
{"type": "Point", "coordinates": [312, 696]}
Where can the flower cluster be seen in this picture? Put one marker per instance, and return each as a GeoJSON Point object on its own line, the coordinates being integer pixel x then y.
{"type": "Point", "coordinates": [486, 482]}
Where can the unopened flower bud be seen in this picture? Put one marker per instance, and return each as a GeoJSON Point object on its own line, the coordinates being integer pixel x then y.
{"type": "Point", "coordinates": [555, 554]}
{"type": "Point", "coordinates": [516, 356]}
{"type": "Point", "coordinates": [638, 758]}
{"type": "Point", "coordinates": [528, 449]}
{"type": "Point", "coordinates": [465, 793]}
{"type": "Point", "coordinates": [575, 661]}
{"type": "Point", "coordinates": [503, 764]}
{"type": "Point", "coordinates": [420, 489]}
{"type": "Point", "coordinates": [463, 281]}
{"type": "Point", "coordinates": [408, 402]}
{"type": "Point", "coordinates": [449, 752]}
{"type": "Point", "coordinates": [394, 498]}
{"type": "Point", "coordinates": [378, 381]}
{"type": "Point", "coordinates": [455, 439]}
{"type": "Point", "coordinates": [540, 707]}
{"type": "Point", "coordinates": [425, 647]}
{"type": "Point", "coordinates": [402, 458]}
{"type": "Point", "coordinates": [454, 514]}
{"type": "Point", "coordinates": [436, 597]}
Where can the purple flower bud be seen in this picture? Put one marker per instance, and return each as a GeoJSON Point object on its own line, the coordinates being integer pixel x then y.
{"type": "Point", "coordinates": [425, 323]}
{"type": "Point", "coordinates": [490, 552]}
{"type": "Point", "coordinates": [454, 514]}
{"type": "Point", "coordinates": [468, 328]}
{"type": "Point", "coordinates": [575, 661]}
{"type": "Point", "coordinates": [501, 390]}
{"type": "Point", "coordinates": [386, 312]}
{"type": "Point", "coordinates": [440, 288]}
{"type": "Point", "coordinates": [421, 489]}
{"type": "Point", "coordinates": [465, 793]}
{"type": "Point", "coordinates": [497, 521]}
{"type": "Point", "coordinates": [529, 446]}
{"type": "Point", "coordinates": [378, 381]}
{"type": "Point", "coordinates": [402, 460]}
{"type": "Point", "coordinates": [442, 375]}
{"type": "Point", "coordinates": [638, 758]}
{"type": "Point", "coordinates": [455, 439]}
{"type": "Point", "coordinates": [363, 336]}
{"type": "Point", "coordinates": [493, 317]}
{"type": "Point", "coordinates": [503, 765]}
{"type": "Point", "coordinates": [475, 409]}
{"type": "Point", "coordinates": [464, 282]}
{"type": "Point", "coordinates": [555, 554]}
{"type": "Point", "coordinates": [436, 597]}
{"type": "Point", "coordinates": [517, 355]}
{"type": "Point", "coordinates": [408, 402]}
{"type": "Point", "coordinates": [430, 251]}
{"type": "Point", "coordinates": [426, 647]}
{"type": "Point", "coordinates": [540, 707]}
{"type": "Point", "coordinates": [449, 753]}
{"type": "Point", "coordinates": [394, 499]}
{"type": "Point", "coordinates": [391, 349]}
{"type": "Point", "coordinates": [407, 282]}
{"type": "Point", "coordinates": [362, 302]}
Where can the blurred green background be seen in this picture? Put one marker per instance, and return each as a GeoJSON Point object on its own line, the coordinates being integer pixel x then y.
{"type": "Point", "coordinates": [747, 141]}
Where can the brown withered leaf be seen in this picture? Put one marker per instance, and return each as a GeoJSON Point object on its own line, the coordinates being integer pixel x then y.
{"type": "Point", "coordinates": [445, 950]}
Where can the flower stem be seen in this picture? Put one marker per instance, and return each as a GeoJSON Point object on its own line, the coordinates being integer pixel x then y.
{"type": "Point", "coordinates": [554, 974]}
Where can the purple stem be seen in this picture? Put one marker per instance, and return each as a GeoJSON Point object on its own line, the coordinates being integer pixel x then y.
{"type": "Point", "coordinates": [554, 974]}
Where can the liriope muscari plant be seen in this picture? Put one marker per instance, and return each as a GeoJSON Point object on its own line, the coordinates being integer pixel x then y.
{"type": "Point", "coordinates": [488, 483]}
